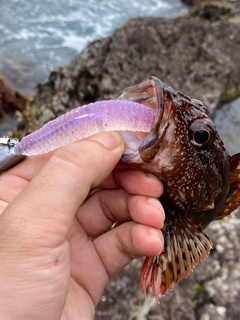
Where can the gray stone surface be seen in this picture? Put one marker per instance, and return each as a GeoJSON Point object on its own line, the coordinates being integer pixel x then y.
{"type": "Point", "coordinates": [227, 120]}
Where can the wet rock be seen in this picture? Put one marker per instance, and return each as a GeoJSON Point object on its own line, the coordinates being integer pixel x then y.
{"type": "Point", "coordinates": [195, 56]}
{"type": "Point", "coordinates": [22, 76]}
{"type": "Point", "coordinates": [227, 121]}
{"type": "Point", "coordinates": [10, 99]}
{"type": "Point", "coordinates": [214, 10]}
{"type": "Point", "coordinates": [201, 2]}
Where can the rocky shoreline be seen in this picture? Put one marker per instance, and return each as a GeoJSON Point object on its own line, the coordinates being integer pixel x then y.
{"type": "Point", "coordinates": [197, 54]}
{"type": "Point", "coordinates": [192, 54]}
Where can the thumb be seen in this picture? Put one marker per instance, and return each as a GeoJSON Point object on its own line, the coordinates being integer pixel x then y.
{"type": "Point", "coordinates": [51, 199]}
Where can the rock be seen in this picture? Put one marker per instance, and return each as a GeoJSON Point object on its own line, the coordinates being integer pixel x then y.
{"type": "Point", "coordinates": [201, 2]}
{"type": "Point", "coordinates": [215, 10]}
{"type": "Point", "coordinates": [195, 56]}
{"type": "Point", "coordinates": [227, 121]}
{"type": "Point", "coordinates": [21, 75]}
{"type": "Point", "coordinates": [10, 99]}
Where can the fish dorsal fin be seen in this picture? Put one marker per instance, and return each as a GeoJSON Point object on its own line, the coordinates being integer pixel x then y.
{"type": "Point", "coordinates": [186, 244]}
{"type": "Point", "coordinates": [233, 199]}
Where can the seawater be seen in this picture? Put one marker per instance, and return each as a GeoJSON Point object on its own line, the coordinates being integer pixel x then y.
{"type": "Point", "coordinates": [37, 37]}
{"type": "Point", "coordinates": [43, 35]}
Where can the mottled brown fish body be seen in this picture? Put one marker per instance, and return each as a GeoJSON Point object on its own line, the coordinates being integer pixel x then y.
{"type": "Point", "coordinates": [185, 151]}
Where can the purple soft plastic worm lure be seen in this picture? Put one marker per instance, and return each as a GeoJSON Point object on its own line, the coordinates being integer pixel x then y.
{"type": "Point", "coordinates": [82, 122]}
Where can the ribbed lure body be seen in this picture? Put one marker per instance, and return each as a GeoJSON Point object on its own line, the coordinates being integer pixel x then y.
{"type": "Point", "coordinates": [82, 122]}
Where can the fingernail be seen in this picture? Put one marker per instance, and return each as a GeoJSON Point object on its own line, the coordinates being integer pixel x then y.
{"type": "Point", "coordinates": [110, 140]}
{"type": "Point", "coordinates": [152, 176]}
{"type": "Point", "coordinates": [157, 204]}
{"type": "Point", "coordinates": [157, 234]}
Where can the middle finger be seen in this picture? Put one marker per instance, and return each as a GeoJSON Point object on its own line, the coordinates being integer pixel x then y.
{"type": "Point", "coordinates": [105, 207]}
{"type": "Point", "coordinates": [135, 182]}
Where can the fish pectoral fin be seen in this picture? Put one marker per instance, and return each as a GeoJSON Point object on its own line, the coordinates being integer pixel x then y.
{"type": "Point", "coordinates": [233, 199]}
{"type": "Point", "coordinates": [186, 245]}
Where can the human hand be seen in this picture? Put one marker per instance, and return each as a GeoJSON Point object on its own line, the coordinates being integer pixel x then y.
{"type": "Point", "coordinates": [56, 256]}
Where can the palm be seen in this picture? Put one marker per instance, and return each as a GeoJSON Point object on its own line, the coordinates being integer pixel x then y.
{"type": "Point", "coordinates": [64, 255]}
{"type": "Point", "coordinates": [11, 184]}
{"type": "Point", "coordinates": [16, 179]}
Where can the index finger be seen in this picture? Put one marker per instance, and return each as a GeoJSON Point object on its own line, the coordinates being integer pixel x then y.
{"type": "Point", "coordinates": [133, 181]}
{"type": "Point", "coordinates": [48, 204]}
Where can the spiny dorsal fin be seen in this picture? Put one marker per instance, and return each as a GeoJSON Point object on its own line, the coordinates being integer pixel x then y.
{"type": "Point", "coordinates": [233, 199]}
{"type": "Point", "coordinates": [186, 245]}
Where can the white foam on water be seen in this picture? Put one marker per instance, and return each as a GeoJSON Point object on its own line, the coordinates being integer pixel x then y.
{"type": "Point", "coordinates": [67, 26]}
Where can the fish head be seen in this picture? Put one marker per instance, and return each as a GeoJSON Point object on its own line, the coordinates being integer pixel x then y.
{"type": "Point", "coordinates": [183, 149]}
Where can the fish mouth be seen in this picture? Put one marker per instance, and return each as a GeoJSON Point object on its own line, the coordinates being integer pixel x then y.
{"type": "Point", "coordinates": [155, 94]}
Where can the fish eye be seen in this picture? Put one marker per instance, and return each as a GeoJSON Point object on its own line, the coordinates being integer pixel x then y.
{"type": "Point", "coordinates": [202, 132]}
{"type": "Point", "coordinates": [201, 136]}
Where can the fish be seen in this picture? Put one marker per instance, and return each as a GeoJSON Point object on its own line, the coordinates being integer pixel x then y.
{"type": "Point", "coordinates": [201, 181]}
{"type": "Point", "coordinates": [172, 136]}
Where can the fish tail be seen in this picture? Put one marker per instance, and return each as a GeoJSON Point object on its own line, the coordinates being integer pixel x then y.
{"type": "Point", "coordinates": [186, 245]}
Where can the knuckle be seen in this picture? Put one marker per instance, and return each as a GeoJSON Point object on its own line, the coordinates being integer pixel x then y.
{"type": "Point", "coordinates": [85, 160]}
{"type": "Point", "coordinates": [79, 154]}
